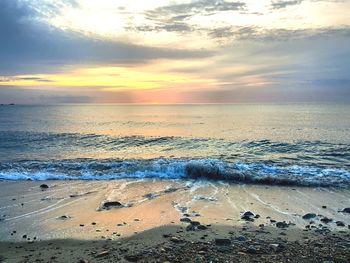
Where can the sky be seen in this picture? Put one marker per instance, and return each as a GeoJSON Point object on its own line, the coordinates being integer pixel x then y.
{"type": "Point", "coordinates": [177, 51]}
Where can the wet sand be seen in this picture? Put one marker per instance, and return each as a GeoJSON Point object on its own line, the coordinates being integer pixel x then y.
{"type": "Point", "coordinates": [147, 221]}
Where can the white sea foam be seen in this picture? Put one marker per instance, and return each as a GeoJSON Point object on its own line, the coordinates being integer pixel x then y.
{"type": "Point", "coordinates": [256, 173]}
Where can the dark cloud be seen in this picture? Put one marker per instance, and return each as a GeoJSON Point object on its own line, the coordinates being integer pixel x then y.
{"type": "Point", "coordinates": [29, 46]}
{"type": "Point", "coordinates": [37, 79]}
{"type": "Point", "coordinates": [284, 3]}
{"type": "Point", "coordinates": [255, 33]}
{"type": "Point", "coordinates": [168, 26]}
{"type": "Point", "coordinates": [280, 4]}
{"type": "Point", "coordinates": [172, 18]}
{"type": "Point", "coordinates": [197, 7]}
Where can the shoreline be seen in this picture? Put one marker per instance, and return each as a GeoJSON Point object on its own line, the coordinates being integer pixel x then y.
{"type": "Point", "coordinates": [186, 216]}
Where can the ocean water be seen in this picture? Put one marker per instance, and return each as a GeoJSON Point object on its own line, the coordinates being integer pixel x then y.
{"type": "Point", "coordinates": [290, 144]}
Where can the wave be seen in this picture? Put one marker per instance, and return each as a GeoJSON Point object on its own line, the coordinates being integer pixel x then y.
{"type": "Point", "coordinates": [195, 169]}
{"type": "Point", "coordinates": [17, 145]}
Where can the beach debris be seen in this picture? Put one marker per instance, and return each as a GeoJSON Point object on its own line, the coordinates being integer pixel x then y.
{"type": "Point", "coordinates": [309, 216]}
{"type": "Point", "coordinates": [175, 240]}
{"type": "Point", "coordinates": [248, 216]}
{"type": "Point", "coordinates": [277, 247]}
{"type": "Point", "coordinates": [324, 206]}
{"type": "Point", "coordinates": [102, 254]}
{"type": "Point", "coordinates": [44, 186]}
{"type": "Point", "coordinates": [346, 210]}
{"type": "Point", "coordinates": [205, 198]}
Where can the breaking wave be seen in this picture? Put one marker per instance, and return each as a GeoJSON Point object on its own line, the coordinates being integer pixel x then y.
{"type": "Point", "coordinates": [195, 169]}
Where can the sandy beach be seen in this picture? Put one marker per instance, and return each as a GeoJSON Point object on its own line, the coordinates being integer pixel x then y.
{"type": "Point", "coordinates": [171, 220]}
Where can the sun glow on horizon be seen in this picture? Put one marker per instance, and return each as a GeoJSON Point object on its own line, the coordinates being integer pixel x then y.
{"type": "Point", "coordinates": [174, 51]}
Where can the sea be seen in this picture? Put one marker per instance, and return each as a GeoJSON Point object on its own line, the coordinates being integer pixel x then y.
{"type": "Point", "coordinates": [272, 144]}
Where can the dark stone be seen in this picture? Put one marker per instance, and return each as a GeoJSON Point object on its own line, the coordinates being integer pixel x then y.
{"type": "Point", "coordinates": [83, 261]}
{"type": "Point", "coordinates": [195, 223]}
{"type": "Point", "coordinates": [346, 210]}
{"type": "Point", "coordinates": [170, 190]}
{"type": "Point", "coordinates": [248, 213]}
{"type": "Point", "coordinates": [272, 221]}
{"type": "Point", "coordinates": [257, 216]}
{"type": "Point", "coordinates": [340, 223]}
{"type": "Point", "coordinates": [281, 224]}
{"type": "Point", "coordinates": [44, 186]}
{"type": "Point", "coordinates": [309, 216]}
{"type": "Point", "coordinates": [186, 220]}
{"type": "Point", "coordinates": [324, 206]}
{"type": "Point", "coordinates": [248, 216]}
{"type": "Point", "coordinates": [326, 220]}
{"type": "Point", "coordinates": [112, 204]}
{"type": "Point", "coordinates": [242, 238]}
{"type": "Point", "coordinates": [24, 236]}
{"type": "Point", "coordinates": [222, 241]}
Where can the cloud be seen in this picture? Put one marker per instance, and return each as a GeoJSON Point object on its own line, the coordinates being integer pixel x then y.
{"type": "Point", "coordinates": [173, 17]}
{"type": "Point", "coordinates": [256, 33]}
{"type": "Point", "coordinates": [283, 4]}
{"type": "Point", "coordinates": [196, 7]}
{"type": "Point", "coordinates": [9, 79]}
{"type": "Point", "coordinates": [29, 46]}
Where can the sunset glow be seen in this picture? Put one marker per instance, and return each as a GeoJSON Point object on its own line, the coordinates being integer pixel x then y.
{"type": "Point", "coordinates": [264, 49]}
